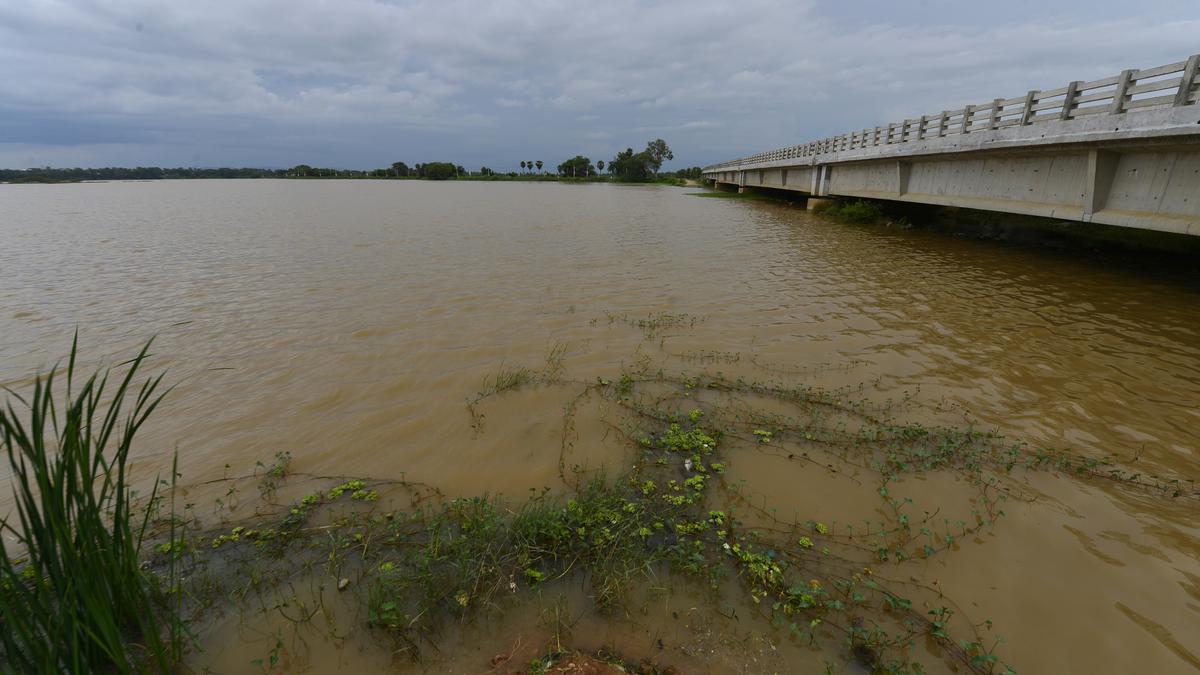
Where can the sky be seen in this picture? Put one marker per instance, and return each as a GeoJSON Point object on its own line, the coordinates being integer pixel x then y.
{"type": "Point", "coordinates": [364, 83]}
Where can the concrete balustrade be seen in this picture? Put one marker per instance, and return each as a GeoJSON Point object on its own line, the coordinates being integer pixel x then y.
{"type": "Point", "coordinates": [1123, 150]}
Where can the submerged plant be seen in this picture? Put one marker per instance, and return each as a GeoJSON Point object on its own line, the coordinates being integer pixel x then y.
{"type": "Point", "coordinates": [425, 562]}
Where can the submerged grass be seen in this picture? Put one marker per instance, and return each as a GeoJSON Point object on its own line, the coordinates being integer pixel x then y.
{"type": "Point", "coordinates": [840, 587]}
{"type": "Point", "coordinates": [470, 554]}
{"type": "Point", "coordinates": [80, 602]}
{"type": "Point", "coordinates": [76, 599]}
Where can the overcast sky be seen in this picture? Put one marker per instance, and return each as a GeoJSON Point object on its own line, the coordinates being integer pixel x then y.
{"type": "Point", "coordinates": [363, 83]}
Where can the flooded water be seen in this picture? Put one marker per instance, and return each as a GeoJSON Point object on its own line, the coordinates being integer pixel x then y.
{"type": "Point", "coordinates": [350, 323]}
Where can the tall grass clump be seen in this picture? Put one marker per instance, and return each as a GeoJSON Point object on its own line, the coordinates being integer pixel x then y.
{"type": "Point", "coordinates": [75, 598]}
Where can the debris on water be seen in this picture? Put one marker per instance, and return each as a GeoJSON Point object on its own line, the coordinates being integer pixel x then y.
{"type": "Point", "coordinates": [687, 464]}
{"type": "Point", "coordinates": [343, 584]}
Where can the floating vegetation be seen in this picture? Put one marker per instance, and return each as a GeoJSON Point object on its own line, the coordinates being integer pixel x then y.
{"type": "Point", "coordinates": [652, 325]}
{"type": "Point", "coordinates": [709, 356]}
{"type": "Point", "coordinates": [427, 562]}
{"type": "Point", "coordinates": [423, 563]}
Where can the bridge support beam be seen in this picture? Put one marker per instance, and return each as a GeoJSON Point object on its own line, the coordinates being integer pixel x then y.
{"type": "Point", "coordinates": [903, 172]}
{"type": "Point", "coordinates": [1101, 171]}
{"type": "Point", "coordinates": [821, 174]}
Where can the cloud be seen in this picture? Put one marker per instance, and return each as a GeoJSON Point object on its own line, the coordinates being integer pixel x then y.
{"type": "Point", "coordinates": [366, 82]}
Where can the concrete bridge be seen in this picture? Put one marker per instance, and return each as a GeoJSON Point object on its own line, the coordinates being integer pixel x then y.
{"type": "Point", "coordinates": [1123, 150]}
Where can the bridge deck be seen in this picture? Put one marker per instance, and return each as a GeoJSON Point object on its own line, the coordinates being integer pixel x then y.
{"type": "Point", "coordinates": [1123, 150]}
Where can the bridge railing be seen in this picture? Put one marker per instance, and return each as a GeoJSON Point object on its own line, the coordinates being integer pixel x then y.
{"type": "Point", "coordinates": [1174, 84]}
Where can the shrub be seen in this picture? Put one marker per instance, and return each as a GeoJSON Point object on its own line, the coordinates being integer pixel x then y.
{"type": "Point", "coordinates": [859, 211]}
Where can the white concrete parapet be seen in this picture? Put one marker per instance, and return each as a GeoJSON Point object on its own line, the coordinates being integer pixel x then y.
{"type": "Point", "coordinates": [1171, 86]}
{"type": "Point", "coordinates": [1123, 150]}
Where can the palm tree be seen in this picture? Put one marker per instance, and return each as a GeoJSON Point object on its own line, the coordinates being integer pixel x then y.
{"type": "Point", "coordinates": [539, 165]}
{"type": "Point", "coordinates": [529, 164]}
{"type": "Point", "coordinates": [522, 165]}
{"type": "Point", "coordinates": [600, 166]}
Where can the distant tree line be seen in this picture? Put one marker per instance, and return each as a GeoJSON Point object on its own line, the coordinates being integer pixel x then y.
{"type": "Point", "coordinates": [626, 166]}
{"type": "Point", "coordinates": [49, 175]}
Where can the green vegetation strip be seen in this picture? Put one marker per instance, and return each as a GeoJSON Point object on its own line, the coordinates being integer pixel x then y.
{"type": "Point", "coordinates": [858, 211]}
{"type": "Point", "coordinates": [721, 194]}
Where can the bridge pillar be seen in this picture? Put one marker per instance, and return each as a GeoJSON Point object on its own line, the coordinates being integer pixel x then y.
{"type": "Point", "coordinates": [903, 171]}
{"type": "Point", "coordinates": [821, 174]}
{"type": "Point", "coordinates": [724, 187]}
{"type": "Point", "coordinates": [1101, 170]}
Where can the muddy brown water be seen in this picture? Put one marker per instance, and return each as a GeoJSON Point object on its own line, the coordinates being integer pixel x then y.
{"type": "Point", "coordinates": [349, 323]}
